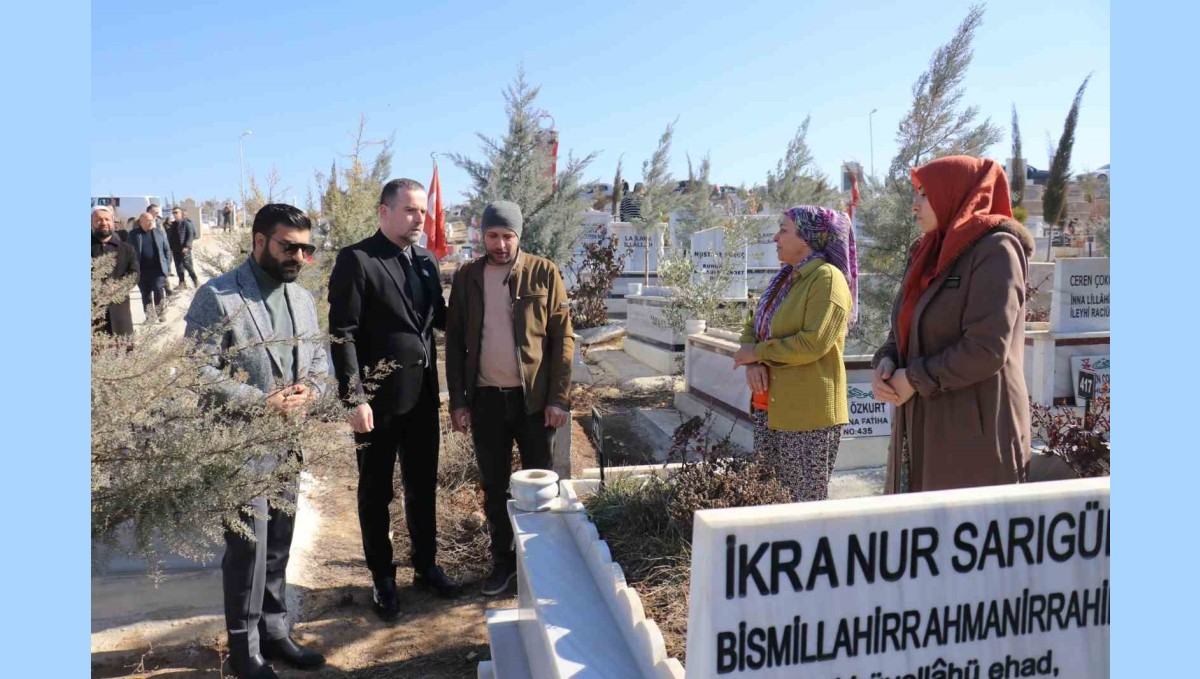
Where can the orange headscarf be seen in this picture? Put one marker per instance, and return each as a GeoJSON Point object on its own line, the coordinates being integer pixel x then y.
{"type": "Point", "coordinates": [970, 197]}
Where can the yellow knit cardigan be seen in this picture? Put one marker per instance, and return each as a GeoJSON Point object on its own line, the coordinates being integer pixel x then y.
{"type": "Point", "coordinates": [804, 354]}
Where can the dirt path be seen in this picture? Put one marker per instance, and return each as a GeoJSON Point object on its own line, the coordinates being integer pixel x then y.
{"type": "Point", "coordinates": [433, 638]}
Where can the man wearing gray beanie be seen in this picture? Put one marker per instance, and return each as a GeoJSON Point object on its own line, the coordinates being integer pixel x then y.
{"type": "Point", "coordinates": [509, 345]}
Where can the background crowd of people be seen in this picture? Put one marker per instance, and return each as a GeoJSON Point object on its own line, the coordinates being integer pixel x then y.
{"type": "Point", "coordinates": [148, 250]}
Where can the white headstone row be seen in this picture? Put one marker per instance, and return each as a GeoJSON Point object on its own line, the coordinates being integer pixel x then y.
{"type": "Point", "coordinates": [598, 228]}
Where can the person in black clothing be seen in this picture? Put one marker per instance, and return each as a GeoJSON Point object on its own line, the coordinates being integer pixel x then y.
{"type": "Point", "coordinates": [161, 224]}
{"type": "Point", "coordinates": [118, 319]}
{"type": "Point", "coordinates": [153, 259]}
{"type": "Point", "coordinates": [180, 234]}
{"type": "Point", "coordinates": [631, 204]}
{"type": "Point", "coordinates": [385, 298]}
{"type": "Point", "coordinates": [123, 232]}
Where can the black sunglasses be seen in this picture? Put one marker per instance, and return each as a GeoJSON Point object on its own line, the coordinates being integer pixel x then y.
{"type": "Point", "coordinates": [292, 248]}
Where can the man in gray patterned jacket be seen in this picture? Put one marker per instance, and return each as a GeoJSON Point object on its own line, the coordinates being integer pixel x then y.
{"type": "Point", "coordinates": [258, 321]}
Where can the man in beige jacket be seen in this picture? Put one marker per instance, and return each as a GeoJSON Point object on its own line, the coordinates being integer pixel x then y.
{"type": "Point", "coordinates": [508, 366]}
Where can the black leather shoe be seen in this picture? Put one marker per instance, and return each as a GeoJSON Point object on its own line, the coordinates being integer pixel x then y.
{"type": "Point", "coordinates": [249, 667]}
{"type": "Point", "coordinates": [386, 600]}
{"type": "Point", "coordinates": [435, 580]}
{"type": "Point", "coordinates": [287, 650]}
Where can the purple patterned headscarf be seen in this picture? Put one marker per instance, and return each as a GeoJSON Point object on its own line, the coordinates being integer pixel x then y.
{"type": "Point", "coordinates": [830, 234]}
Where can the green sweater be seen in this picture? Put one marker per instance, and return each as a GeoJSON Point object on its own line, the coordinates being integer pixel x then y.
{"type": "Point", "coordinates": [804, 354]}
{"type": "Point", "coordinates": [274, 293]}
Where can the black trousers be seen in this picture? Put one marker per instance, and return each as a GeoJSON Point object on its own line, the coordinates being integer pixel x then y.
{"type": "Point", "coordinates": [253, 576]}
{"type": "Point", "coordinates": [152, 288]}
{"type": "Point", "coordinates": [413, 438]}
{"type": "Point", "coordinates": [183, 262]}
{"type": "Point", "coordinates": [498, 418]}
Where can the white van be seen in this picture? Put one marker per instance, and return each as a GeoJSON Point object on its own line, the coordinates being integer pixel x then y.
{"type": "Point", "coordinates": [126, 208]}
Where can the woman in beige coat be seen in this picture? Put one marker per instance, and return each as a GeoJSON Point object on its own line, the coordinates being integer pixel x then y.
{"type": "Point", "coordinates": [953, 363]}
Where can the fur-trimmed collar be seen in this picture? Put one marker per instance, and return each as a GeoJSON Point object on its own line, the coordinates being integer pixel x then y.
{"type": "Point", "coordinates": [1021, 233]}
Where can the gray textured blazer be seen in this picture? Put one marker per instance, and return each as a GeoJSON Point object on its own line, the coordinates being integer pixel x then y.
{"type": "Point", "coordinates": [228, 312]}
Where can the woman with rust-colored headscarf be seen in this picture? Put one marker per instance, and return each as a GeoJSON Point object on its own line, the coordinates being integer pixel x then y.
{"type": "Point", "coordinates": [953, 363]}
{"type": "Point", "coordinates": [792, 349]}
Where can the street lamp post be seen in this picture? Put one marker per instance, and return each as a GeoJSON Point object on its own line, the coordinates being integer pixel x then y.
{"type": "Point", "coordinates": [871, 127]}
{"type": "Point", "coordinates": [242, 174]}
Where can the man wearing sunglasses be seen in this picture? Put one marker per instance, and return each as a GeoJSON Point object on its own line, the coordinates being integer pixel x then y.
{"type": "Point", "coordinates": [180, 234]}
{"type": "Point", "coordinates": [385, 299]}
{"type": "Point", "coordinates": [256, 320]}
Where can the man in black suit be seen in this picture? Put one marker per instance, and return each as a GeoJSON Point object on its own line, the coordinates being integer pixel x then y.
{"type": "Point", "coordinates": [154, 261]}
{"type": "Point", "coordinates": [385, 298]}
{"type": "Point", "coordinates": [118, 320]}
{"type": "Point", "coordinates": [180, 234]}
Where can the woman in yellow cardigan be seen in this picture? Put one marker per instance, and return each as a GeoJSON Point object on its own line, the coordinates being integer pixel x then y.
{"type": "Point", "coordinates": [792, 349]}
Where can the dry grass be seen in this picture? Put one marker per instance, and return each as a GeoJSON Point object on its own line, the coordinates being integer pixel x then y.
{"type": "Point", "coordinates": [633, 517]}
{"type": "Point", "coordinates": [647, 522]}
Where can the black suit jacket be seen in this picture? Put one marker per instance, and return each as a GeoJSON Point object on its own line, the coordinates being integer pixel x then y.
{"type": "Point", "coordinates": [180, 234]}
{"type": "Point", "coordinates": [371, 311]}
{"type": "Point", "coordinates": [118, 319]}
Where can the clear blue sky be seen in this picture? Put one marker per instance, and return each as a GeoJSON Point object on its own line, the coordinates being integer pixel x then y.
{"type": "Point", "coordinates": [174, 84]}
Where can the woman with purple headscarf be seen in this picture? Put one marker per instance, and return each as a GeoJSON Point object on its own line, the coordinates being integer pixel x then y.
{"type": "Point", "coordinates": [792, 350]}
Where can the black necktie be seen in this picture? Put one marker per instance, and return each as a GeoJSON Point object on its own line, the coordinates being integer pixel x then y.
{"type": "Point", "coordinates": [416, 289]}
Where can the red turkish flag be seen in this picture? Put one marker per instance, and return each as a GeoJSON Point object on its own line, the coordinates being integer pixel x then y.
{"type": "Point", "coordinates": [435, 221]}
{"type": "Point", "coordinates": [853, 194]}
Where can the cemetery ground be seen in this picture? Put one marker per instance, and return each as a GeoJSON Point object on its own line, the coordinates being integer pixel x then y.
{"type": "Point", "coordinates": [447, 638]}
{"type": "Point", "coordinates": [433, 637]}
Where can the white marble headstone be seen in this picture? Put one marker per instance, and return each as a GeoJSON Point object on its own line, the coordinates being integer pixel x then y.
{"type": "Point", "coordinates": [868, 415]}
{"type": "Point", "coordinates": [983, 582]}
{"type": "Point", "coordinates": [594, 231]}
{"type": "Point", "coordinates": [708, 255]}
{"type": "Point", "coordinates": [1080, 302]}
{"type": "Point", "coordinates": [632, 245]}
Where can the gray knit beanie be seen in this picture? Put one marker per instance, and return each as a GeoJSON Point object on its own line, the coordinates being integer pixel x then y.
{"type": "Point", "coordinates": [503, 213]}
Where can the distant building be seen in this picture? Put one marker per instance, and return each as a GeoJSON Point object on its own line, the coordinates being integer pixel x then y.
{"type": "Point", "coordinates": [850, 169]}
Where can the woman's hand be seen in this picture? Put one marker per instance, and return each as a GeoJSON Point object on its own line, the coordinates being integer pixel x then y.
{"type": "Point", "coordinates": [903, 388]}
{"type": "Point", "coordinates": [758, 376]}
{"type": "Point", "coordinates": [879, 382]}
{"type": "Point", "coordinates": [744, 356]}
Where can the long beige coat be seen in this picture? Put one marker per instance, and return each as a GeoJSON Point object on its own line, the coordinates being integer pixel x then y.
{"type": "Point", "coordinates": [968, 424]}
